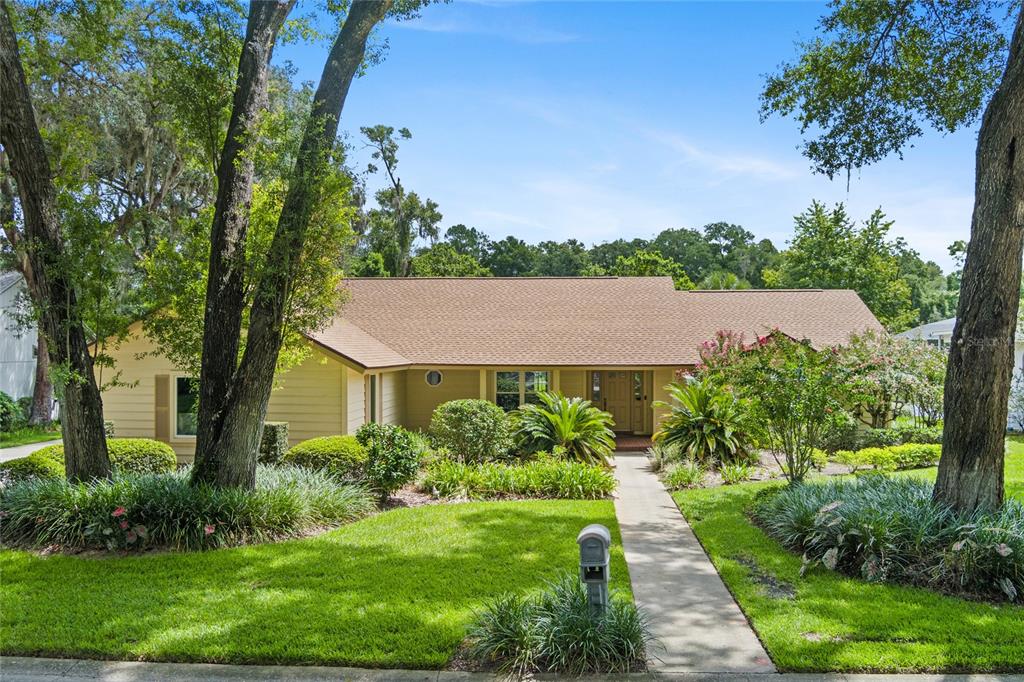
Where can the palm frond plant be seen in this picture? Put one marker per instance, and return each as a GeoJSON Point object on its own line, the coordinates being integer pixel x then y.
{"type": "Point", "coordinates": [706, 421]}
{"type": "Point", "coordinates": [572, 424]}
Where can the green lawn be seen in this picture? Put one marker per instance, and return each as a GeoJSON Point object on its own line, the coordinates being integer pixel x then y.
{"type": "Point", "coordinates": [395, 590]}
{"type": "Point", "coordinates": [29, 434]}
{"type": "Point", "coordinates": [825, 621]}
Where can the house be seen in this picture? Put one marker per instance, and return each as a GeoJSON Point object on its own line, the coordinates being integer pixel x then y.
{"type": "Point", "coordinates": [939, 334]}
{"type": "Point", "coordinates": [402, 346]}
{"type": "Point", "coordinates": [17, 343]}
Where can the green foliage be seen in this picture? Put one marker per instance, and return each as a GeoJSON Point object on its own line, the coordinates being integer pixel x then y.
{"type": "Point", "coordinates": [342, 456]}
{"type": "Point", "coordinates": [544, 478]}
{"type": "Point", "coordinates": [558, 631]}
{"type": "Point", "coordinates": [663, 455]}
{"type": "Point", "coordinates": [645, 263]}
{"type": "Point", "coordinates": [127, 455]}
{"type": "Point", "coordinates": [685, 474]}
{"type": "Point", "coordinates": [30, 434]}
{"type": "Point", "coordinates": [572, 424]}
{"type": "Point", "coordinates": [880, 71]}
{"type": "Point", "coordinates": [471, 430]}
{"type": "Point", "coordinates": [794, 391]}
{"type": "Point", "coordinates": [11, 415]}
{"type": "Point", "coordinates": [1016, 404]}
{"type": "Point", "coordinates": [274, 442]}
{"type": "Point", "coordinates": [735, 472]}
{"type": "Point", "coordinates": [829, 251]}
{"type": "Point", "coordinates": [889, 530]}
{"type": "Point", "coordinates": [392, 457]}
{"type": "Point", "coordinates": [706, 420]}
{"type": "Point", "coordinates": [441, 260]}
{"type": "Point", "coordinates": [134, 512]}
{"type": "Point", "coordinates": [34, 465]}
{"type": "Point", "coordinates": [892, 458]}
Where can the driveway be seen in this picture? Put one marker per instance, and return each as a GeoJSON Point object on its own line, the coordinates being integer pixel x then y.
{"type": "Point", "coordinates": [23, 450]}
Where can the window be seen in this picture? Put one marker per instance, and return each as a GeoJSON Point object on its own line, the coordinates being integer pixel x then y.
{"type": "Point", "coordinates": [186, 402]}
{"type": "Point", "coordinates": [638, 385]}
{"type": "Point", "coordinates": [507, 390]}
{"type": "Point", "coordinates": [513, 389]}
{"type": "Point", "coordinates": [433, 378]}
{"type": "Point", "coordinates": [595, 386]}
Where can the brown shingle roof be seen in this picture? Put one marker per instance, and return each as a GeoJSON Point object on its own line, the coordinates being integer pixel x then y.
{"type": "Point", "coordinates": [595, 321]}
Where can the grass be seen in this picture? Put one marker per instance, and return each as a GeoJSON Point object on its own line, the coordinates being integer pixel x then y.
{"type": "Point", "coordinates": [824, 621]}
{"type": "Point", "coordinates": [29, 434]}
{"type": "Point", "coordinates": [395, 590]}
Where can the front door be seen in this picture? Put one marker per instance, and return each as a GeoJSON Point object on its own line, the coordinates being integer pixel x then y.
{"type": "Point", "coordinates": [617, 395]}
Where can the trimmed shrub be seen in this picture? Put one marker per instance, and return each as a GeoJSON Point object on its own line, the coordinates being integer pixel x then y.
{"type": "Point", "coordinates": [108, 428]}
{"type": "Point", "coordinates": [894, 458]}
{"type": "Point", "coordinates": [274, 442]}
{"type": "Point", "coordinates": [32, 466]}
{"type": "Point", "coordinates": [133, 511]}
{"type": "Point", "coordinates": [392, 457]}
{"type": "Point", "coordinates": [543, 478]}
{"type": "Point", "coordinates": [342, 456]}
{"type": "Point", "coordinates": [558, 631]}
{"type": "Point", "coordinates": [471, 430]}
{"type": "Point", "coordinates": [684, 475]}
{"type": "Point", "coordinates": [127, 455]}
{"type": "Point", "coordinates": [888, 529]}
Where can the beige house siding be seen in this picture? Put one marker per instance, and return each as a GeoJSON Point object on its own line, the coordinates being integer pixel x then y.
{"type": "Point", "coordinates": [355, 392]}
{"type": "Point", "coordinates": [573, 383]}
{"type": "Point", "coordinates": [308, 397]}
{"type": "Point", "coordinates": [393, 397]}
{"type": "Point", "coordinates": [662, 377]}
{"type": "Point", "coordinates": [421, 399]}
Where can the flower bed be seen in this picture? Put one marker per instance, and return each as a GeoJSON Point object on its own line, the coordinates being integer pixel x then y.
{"type": "Point", "coordinates": [543, 478]}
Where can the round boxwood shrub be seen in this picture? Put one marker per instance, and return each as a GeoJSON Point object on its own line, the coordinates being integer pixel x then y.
{"type": "Point", "coordinates": [34, 466]}
{"type": "Point", "coordinates": [342, 456]}
{"type": "Point", "coordinates": [471, 430]}
{"type": "Point", "coordinates": [11, 416]}
{"type": "Point", "coordinates": [127, 455]}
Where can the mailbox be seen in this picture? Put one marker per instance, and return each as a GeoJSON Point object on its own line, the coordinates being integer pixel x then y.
{"type": "Point", "coordinates": [594, 542]}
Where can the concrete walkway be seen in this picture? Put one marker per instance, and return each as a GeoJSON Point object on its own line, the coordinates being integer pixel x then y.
{"type": "Point", "coordinates": [14, 669]}
{"type": "Point", "coordinates": [24, 450]}
{"type": "Point", "coordinates": [692, 613]}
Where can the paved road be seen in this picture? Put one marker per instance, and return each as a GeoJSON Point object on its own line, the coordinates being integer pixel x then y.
{"type": "Point", "coordinates": [22, 450]}
{"type": "Point", "coordinates": [698, 623]}
{"type": "Point", "coordinates": [69, 670]}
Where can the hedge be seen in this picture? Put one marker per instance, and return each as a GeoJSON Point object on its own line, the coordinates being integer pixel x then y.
{"type": "Point", "coordinates": [342, 456]}
{"type": "Point", "coordinates": [127, 455]}
{"type": "Point", "coordinates": [908, 456]}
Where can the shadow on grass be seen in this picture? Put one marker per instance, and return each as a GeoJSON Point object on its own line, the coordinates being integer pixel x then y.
{"type": "Point", "coordinates": [395, 590]}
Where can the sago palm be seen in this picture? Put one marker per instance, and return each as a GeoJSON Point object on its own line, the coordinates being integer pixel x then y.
{"type": "Point", "coordinates": [573, 424]}
{"type": "Point", "coordinates": [708, 422]}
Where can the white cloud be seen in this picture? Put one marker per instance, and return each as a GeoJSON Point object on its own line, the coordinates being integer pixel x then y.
{"type": "Point", "coordinates": [529, 34]}
{"type": "Point", "coordinates": [722, 163]}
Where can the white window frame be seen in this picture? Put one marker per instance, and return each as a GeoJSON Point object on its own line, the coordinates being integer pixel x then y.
{"type": "Point", "coordinates": [174, 408]}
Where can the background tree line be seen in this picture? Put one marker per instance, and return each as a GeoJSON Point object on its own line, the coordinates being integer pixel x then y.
{"type": "Point", "coordinates": [401, 236]}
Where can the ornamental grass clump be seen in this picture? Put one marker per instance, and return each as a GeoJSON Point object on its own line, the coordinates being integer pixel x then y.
{"type": "Point", "coordinates": [544, 478]}
{"type": "Point", "coordinates": [558, 631]}
{"type": "Point", "coordinates": [138, 511]}
{"type": "Point", "coordinates": [889, 530]}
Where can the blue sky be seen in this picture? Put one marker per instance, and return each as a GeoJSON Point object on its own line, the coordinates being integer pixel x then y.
{"type": "Point", "coordinates": [606, 120]}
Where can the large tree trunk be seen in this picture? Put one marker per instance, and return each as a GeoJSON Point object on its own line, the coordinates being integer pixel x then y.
{"type": "Point", "coordinates": [42, 392]}
{"type": "Point", "coordinates": [50, 287]}
{"type": "Point", "coordinates": [225, 292]}
{"type": "Point", "coordinates": [245, 406]}
{"type": "Point", "coordinates": [981, 353]}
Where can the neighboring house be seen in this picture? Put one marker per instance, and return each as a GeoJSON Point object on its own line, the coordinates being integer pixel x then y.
{"type": "Point", "coordinates": [17, 344]}
{"type": "Point", "coordinates": [939, 334]}
{"type": "Point", "coordinates": [402, 346]}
